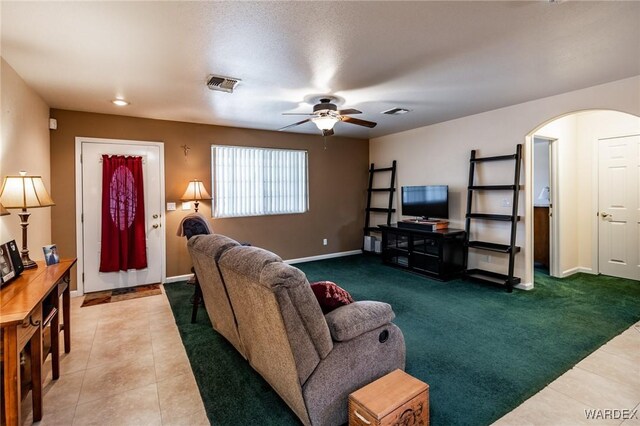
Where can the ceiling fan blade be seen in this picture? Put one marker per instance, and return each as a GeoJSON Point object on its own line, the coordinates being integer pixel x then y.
{"type": "Point", "coordinates": [327, 132]}
{"type": "Point", "coordinates": [359, 122]}
{"type": "Point", "coordinates": [295, 124]}
{"type": "Point", "coordinates": [349, 111]}
{"type": "Point", "coordinates": [297, 113]}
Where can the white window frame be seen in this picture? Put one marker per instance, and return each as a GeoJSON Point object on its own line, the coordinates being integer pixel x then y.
{"type": "Point", "coordinates": [263, 205]}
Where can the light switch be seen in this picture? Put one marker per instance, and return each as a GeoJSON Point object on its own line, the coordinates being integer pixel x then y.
{"type": "Point", "coordinates": [171, 207]}
{"type": "Point", "coordinates": [186, 205]}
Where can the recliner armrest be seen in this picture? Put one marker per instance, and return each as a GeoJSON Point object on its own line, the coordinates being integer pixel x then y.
{"type": "Point", "coordinates": [354, 319]}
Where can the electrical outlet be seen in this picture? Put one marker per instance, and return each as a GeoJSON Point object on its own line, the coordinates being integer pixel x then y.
{"type": "Point", "coordinates": [324, 242]}
{"type": "Point", "coordinates": [506, 202]}
{"type": "Point", "coordinates": [186, 205]}
{"type": "Point", "coordinates": [171, 207]}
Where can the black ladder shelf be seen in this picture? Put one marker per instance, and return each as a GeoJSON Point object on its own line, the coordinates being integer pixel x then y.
{"type": "Point", "coordinates": [391, 190]}
{"type": "Point", "coordinates": [510, 249]}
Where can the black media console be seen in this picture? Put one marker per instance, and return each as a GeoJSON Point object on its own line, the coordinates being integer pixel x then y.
{"type": "Point", "coordinates": [436, 254]}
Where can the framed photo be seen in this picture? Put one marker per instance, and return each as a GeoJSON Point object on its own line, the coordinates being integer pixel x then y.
{"type": "Point", "coordinates": [51, 256]}
{"type": "Point", "coordinates": [6, 266]}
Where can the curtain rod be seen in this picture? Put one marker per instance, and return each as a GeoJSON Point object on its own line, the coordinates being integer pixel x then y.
{"type": "Point", "coordinates": [144, 157]}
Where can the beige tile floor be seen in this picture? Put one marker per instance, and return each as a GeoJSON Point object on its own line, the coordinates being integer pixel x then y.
{"type": "Point", "coordinates": [128, 366]}
{"type": "Point", "coordinates": [609, 378]}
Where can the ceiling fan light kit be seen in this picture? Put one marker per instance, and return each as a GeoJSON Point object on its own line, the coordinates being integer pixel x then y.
{"type": "Point", "coordinates": [325, 122]}
{"type": "Point", "coordinates": [325, 115]}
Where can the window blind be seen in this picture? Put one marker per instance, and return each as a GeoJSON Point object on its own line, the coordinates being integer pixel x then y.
{"type": "Point", "coordinates": [258, 181]}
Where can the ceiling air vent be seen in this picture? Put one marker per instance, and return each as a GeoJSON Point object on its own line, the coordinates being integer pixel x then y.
{"type": "Point", "coordinates": [222, 83]}
{"type": "Point", "coordinates": [396, 111]}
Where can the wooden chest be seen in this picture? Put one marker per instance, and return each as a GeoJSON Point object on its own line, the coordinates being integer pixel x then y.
{"type": "Point", "coordinates": [395, 399]}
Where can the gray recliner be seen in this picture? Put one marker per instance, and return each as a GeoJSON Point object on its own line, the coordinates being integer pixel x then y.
{"type": "Point", "coordinates": [214, 293]}
{"type": "Point", "coordinates": [268, 311]}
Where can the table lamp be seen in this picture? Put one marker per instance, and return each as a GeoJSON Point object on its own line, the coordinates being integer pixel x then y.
{"type": "Point", "coordinates": [195, 192]}
{"type": "Point", "coordinates": [3, 211]}
{"type": "Point", "coordinates": [23, 192]}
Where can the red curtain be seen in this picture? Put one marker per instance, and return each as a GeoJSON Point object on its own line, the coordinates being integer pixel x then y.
{"type": "Point", "coordinates": [123, 244]}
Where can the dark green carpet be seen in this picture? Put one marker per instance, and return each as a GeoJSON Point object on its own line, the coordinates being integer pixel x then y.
{"type": "Point", "coordinates": [482, 351]}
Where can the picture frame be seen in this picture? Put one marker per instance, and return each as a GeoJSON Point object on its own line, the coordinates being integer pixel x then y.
{"type": "Point", "coordinates": [7, 271]}
{"type": "Point", "coordinates": [51, 256]}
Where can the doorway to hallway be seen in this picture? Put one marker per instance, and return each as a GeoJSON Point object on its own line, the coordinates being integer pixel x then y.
{"type": "Point", "coordinates": [580, 188]}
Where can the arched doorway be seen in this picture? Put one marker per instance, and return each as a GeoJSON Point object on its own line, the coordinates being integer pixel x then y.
{"type": "Point", "coordinates": [579, 144]}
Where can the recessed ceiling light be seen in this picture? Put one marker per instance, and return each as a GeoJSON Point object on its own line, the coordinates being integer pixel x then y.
{"type": "Point", "coordinates": [120, 102]}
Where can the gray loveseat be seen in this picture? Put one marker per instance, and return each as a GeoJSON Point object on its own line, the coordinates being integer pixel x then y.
{"type": "Point", "coordinates": [268, 312]}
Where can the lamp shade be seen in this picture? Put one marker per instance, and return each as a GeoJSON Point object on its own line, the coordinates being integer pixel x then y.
{"type": "Point", "coordinates": [21, 192]}
{"type": "Point", "coordinates": [195, 191]}
{"type": "Point", "coordinates": [3, 211]}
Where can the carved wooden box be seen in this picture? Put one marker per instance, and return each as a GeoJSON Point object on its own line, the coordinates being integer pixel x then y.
{"type": "Point", "coordinates": [396, 399]}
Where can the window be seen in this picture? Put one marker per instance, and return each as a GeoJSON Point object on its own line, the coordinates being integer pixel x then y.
{"type": "Point", "coordinates": [258, 181]}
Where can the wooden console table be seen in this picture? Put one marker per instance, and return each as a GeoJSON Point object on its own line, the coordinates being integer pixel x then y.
{"type": "Point", "coordinates": [22, 320]}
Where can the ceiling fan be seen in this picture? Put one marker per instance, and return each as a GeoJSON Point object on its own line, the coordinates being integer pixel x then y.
{"type": "Point", "coordinates": [326, 114]}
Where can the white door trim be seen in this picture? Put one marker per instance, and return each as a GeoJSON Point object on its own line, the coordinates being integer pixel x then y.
{"type": "Point", "coordinates": [554, 254]}
{"type": "Point", "coordinates": [528, 209]}
{"type": "Point", "coordinates": [595, 206]}
{"type": "Point", "coordinates": [79, 229]}
{"type": "Point", "coordinates": [554, 221]}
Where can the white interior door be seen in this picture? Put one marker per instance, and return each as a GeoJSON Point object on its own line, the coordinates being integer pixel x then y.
{"type": "Point", "coordinates": [619, 207]}
{"type": "Point", "coordinates": [153, 179]}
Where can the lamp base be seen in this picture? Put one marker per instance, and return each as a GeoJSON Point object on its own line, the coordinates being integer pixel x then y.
{"type": "Point", "coordinates": [24, 253]}
{"type": "Point", "coordinates": [29, 264]}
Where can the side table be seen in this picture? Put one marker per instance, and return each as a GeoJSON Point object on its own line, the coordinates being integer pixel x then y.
{"type": "Point", "coordinates": [394, 399]}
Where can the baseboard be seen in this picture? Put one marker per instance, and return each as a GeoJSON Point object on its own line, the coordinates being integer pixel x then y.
{"type": "Point", "coordinates": [323, 256]}
{"type": "Point", "coordinates": [75, 293]}
{"type": "Point", "coordinates": [524, 286]}
{"type": "Point", "coordinates": [177, 278]}
{"type": "Point", "coordinates": [576, 270]}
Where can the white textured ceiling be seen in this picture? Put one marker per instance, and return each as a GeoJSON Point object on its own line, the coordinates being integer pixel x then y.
{"type": "Point", "coordinates": [442, 60]}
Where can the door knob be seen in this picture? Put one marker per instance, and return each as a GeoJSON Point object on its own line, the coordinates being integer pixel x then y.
{"type": "Point", "coordinates": [605, 216]}
{"type": "Point", "coordinates": [155, 216]}
{"type": "Point", "coordinates": [155, 226]}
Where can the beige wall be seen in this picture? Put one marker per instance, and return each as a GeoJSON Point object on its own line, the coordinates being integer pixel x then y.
{"type": "Point", "coordinates": [24, 146]}
{"type": "Point", "coordinates": [337, 175]}
{"type": "Point", "coordinates": [438, 154]}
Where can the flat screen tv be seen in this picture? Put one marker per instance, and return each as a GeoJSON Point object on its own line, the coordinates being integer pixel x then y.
{"type": "Point", "coordinates": [431, 201]}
